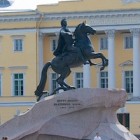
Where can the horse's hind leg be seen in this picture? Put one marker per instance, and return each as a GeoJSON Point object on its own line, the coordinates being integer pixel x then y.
{"type": "Point", "coordinates": [65, 73]}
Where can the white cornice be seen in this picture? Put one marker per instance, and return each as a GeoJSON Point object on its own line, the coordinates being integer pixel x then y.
{"type": "Point", "coordinates": [17, 31]}
{"type": "Point", "coordinates": [18, 67]}
{"type": "Point", "coordinates": [100, 18]}
{"type": "Point", "coordinates": [85, 14]}
{"type": "Point", "coordinates": [96, 27]}
{"type": "Point", "coordinates": [20, 18]}
{"type": "Point", "coordinates": [94, 17]}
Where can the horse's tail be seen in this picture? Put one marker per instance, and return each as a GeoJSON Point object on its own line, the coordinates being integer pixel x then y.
{"type": "Point", "coordinates": [41, 86]}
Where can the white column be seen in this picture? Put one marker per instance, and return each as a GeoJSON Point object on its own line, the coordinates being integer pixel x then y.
{"type": "Point", "coordinates": [123, 82]}
{"type": "Point", "coordinates": [111, 57]}
{"type": "Point", "coordinates": [86, 76]}
{"type": "Point", "coordinates": [136, 62]}
{"type": "Point", "coordinates": [40, 53]}
{"type": "Point", "coordinates": [98, 76]}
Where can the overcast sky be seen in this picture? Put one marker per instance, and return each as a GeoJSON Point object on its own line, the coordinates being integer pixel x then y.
{"type": "Point", "coordinates": [30, 4]}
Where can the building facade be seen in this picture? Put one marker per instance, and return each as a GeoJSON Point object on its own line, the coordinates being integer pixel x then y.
{"type": "Point", "coordinates": [29, 37]}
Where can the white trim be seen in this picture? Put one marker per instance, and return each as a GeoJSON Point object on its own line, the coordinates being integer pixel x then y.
{"type": "Point", "coordinates": [24, 85]}
{"type": "Point", "coordinates": [102, 36]}
{"type": "Point", "coordinates": [86, 76]}
{"type": "Point", "coordinates": [12, 83]}
{"type": "Point", "coordinates": [12, 104]}
{"type": "Point", "coordinates": [132, 102]}
{"type": "Point", "coordinates": [126, 63]}
{"type": "Point", "coordinates": [18, 38]}
{"type": "Point", "coordinates": [50, 79]}
{"type": "Point", "coordinates": [20, 18]}
{"type": "Point", "coordinates": [78, 79]}
{"type": "Point", "coordinates": [130, 95]}
{"type": "Point", "coordinates": [105, 83]}
{"type": "Point", "coordinates": [124, 42]}
{"type": "Point", "coordinates": [18, 67]}
{"type": "Point", "coordinates": [16, 31]}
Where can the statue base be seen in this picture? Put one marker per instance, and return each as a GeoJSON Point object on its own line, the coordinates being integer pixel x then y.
{"type": "Point", "coordinates": [71, 115]}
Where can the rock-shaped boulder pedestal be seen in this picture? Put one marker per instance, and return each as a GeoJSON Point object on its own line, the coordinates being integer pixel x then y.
{"type": "Point", "coordinates": [71, 115]}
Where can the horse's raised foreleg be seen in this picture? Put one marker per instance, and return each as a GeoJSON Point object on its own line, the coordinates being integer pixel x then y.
{"type": "Point", "coordinates": [95, 55]}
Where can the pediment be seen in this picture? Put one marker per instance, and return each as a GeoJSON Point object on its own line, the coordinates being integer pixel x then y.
{"type": "Point", "coordinates": [126, 63]}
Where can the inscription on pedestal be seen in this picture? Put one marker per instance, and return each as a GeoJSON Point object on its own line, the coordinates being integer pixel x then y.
{"type": "Point", "coordinates": [67, 104]}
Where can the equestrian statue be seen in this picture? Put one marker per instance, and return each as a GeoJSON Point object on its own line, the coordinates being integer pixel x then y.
{"type": "Point", "coordinates": [73, 50]}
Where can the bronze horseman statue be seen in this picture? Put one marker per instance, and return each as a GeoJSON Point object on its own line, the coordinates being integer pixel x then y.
{"type": "Point", "coordinates": [70, 53]}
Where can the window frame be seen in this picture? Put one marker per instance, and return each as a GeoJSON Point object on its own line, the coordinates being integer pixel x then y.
{"type": "Point", "coordinates": [18, 37]}
{"type": "Point", "coordinates": [81, 79]}
{"type": "Point", "coordinates": [126, 36]}
{"type": "Point", "coordinates": [106, 44]}
{"type": "Point", "coordinates": [52, 48]}
{"type": "Point", "coordinates": [105, 78]}
{"type": "Point", "coordinates": [131, 85]}
{"type": "Point", "coordinates": [51, 81]}
{"type": "Point", "coordinates": [13, 84]}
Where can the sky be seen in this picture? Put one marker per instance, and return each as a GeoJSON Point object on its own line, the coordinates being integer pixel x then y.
{"type": "Point", "coordinates": [30, 4]}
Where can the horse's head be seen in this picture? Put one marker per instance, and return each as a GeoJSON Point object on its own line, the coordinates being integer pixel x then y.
{"type": "Point", "coordinates": [83, 29]}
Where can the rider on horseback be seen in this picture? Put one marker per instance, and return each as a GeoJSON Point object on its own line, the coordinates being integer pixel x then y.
{"type": "Point", "coordinates": [67, 45]}
{"type": "Point", "coordinates": [72, 52]}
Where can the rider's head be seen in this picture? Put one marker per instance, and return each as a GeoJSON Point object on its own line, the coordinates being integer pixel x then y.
{"type": "Point", "coordinates": [63, 22]}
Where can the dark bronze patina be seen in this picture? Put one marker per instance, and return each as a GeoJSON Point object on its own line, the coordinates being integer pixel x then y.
{"type": "Point", "coordinates": [70, 53]}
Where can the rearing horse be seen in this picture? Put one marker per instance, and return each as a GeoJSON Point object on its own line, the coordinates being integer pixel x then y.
{"type": "Point", "coordinates": [62, 64]}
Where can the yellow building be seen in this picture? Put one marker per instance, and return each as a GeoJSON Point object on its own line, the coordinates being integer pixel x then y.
{"type": "Point", "coordinates": [29, 37]}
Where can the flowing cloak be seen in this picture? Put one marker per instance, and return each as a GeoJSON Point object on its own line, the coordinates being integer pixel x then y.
{"type": "Point", "coordinates": [61, 42]}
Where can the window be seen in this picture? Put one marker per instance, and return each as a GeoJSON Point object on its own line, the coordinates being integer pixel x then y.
{"type": "Point", "coordinates": [18, 44]}
{"type": "Point", "coordinates": [103, 43]}
{"type": "Point", "coordinates": [54, 84]}
{"type": "Point", "coordinates": [53, 44]}
{"type": "Point", "coordinates": [129, 81]}
{"type": "Point", "coordinates": [79, 80]}
{"type": "Point", "coordinates": [18, 84]}
{"type": "Point", "coordinates": [128, 42]}
{"type": "Point", "coordinates": [104, 79]}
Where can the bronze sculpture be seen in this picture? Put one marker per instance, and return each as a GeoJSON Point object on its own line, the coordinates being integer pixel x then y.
{"type": "Point", "coordinates": [70, 53]}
